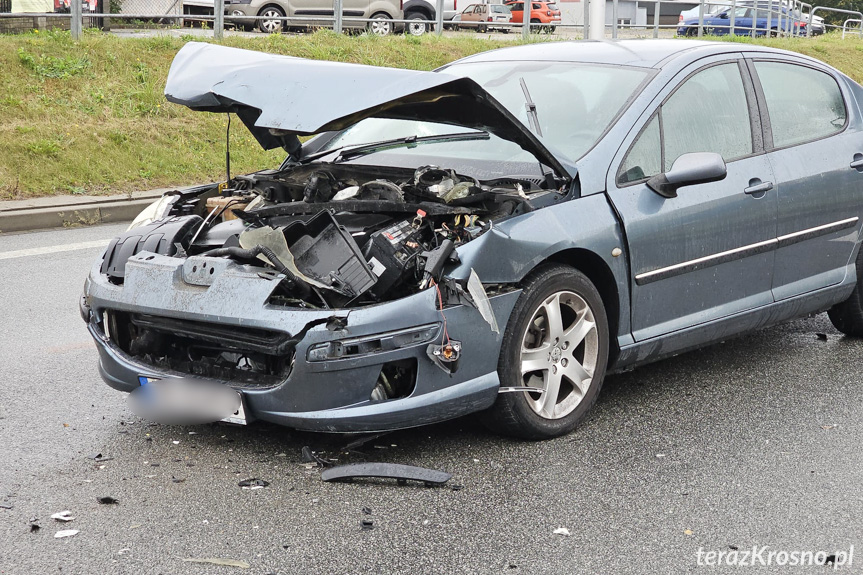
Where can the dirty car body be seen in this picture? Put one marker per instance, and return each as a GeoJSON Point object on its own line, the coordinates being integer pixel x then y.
{"type": "Point", "coordinates": [494, 234]}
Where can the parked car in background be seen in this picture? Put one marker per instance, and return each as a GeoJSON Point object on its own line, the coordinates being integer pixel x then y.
{"type": "Point", "coordinates": [711, 8]}
{"type": "Point", "coordinates": [484, 17]}
{"type": "Point", "coordinates": [422, 14]}
{"type": "Point", "coordinates": [493, 237]}
{"type": "Point", "coordinates": [747, 15]}
{"type": "Point", "coordinates": [301, 14]}
{"type": "Point", "coordinates": [545, 13]}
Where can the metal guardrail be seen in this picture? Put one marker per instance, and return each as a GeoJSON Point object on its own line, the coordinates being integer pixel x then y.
{"type": "Point", "coordinates": [768, 17]}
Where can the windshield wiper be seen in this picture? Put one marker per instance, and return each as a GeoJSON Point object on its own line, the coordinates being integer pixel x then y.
{"type": "Point", "coordinates": [533, 120]}
{"type": "Point", "coordinates": [351, 152]}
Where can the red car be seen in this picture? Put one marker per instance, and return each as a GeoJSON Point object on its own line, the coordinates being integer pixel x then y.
{"type": "Point", "coordinates": [545, 13]}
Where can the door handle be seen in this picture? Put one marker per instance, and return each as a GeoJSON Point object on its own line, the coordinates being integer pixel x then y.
{"type": "Point", "coordinates": [756, 186]}
{"type": "Point", "coordinates": [857, 163]}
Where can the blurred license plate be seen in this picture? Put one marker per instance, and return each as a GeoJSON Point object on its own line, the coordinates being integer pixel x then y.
{"type": "Point", "coordinates": [237, 418]}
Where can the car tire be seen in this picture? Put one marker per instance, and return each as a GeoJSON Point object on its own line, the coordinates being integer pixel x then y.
{"type": "Point", "coordinates": [691, 31]}
{"type": "Point", "coordinates": [847, 316]}
{"type": "Point", "coordinates": [536, 352]}
{"type": "Point", "coordinates": [418, 24]}
{"type": "Point", "coordinates": [381, 24]}
{"type": "Point", "coordinates": [271, 26]}
{"type": "Point", "coordinates": [533, 28]}
{"type": "Point", "coordinates": [481, 29]}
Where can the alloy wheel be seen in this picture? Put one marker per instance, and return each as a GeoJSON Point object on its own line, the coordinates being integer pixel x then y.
{"type": "Point", "coordinates": [559, 354]}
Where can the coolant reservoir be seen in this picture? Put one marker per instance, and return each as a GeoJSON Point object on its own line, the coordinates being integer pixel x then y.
{"type": "Point", "coordinates": [227, 205]}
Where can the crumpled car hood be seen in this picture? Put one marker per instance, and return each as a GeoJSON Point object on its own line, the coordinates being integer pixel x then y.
{"type": "Point", "coordinates": [280, 95]}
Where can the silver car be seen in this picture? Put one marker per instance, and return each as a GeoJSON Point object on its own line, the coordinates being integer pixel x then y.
{"type": "Point", "coordinates": [275, 15]}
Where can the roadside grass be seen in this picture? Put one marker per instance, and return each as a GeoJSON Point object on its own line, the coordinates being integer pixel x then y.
{"type": "Point", "coordinates": [90, 117]}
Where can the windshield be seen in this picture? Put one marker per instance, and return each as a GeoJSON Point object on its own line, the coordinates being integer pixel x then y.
{"type": "Point", "coordinates": [500, 9]}
{"type": "Point", "coordinates": [575, 104]}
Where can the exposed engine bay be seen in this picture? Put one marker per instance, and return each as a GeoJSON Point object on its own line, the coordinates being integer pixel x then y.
{"type": "Point", "coordinates": [335, 235]}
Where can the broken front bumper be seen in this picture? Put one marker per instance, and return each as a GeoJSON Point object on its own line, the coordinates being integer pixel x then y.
{"type": "Point", "coordinates": [320, 392]}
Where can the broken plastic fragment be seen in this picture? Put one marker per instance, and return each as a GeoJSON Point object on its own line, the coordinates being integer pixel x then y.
{"type": "Point", "coordinates": [385, 470]}
{"type": "Point", "coordinates": [562, 531]}
{"type": "Point", "coordinates": [217, 561]}
{"type": "Point", "coordinates": [480, 298]}
{"type": "Point", "coordinates": [65, 533]}
{"type": "Point", "coordinates": [253, 483]}
{"type": "Point", "coordinates": [275, 240]}
{"type": "Point", "coordinates": [64, 515]}
{"type": "Point", "coordinates": [367, 524]}
{"type": "Point", "coordinates": [107, 501]}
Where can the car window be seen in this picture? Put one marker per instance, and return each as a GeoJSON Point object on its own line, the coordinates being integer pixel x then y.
{"type": "Point", "coordinates": [536, 6]}
{"type": "Point", "coordinates": [517, 7]}
{"type": "Point", "coordinates": [708, 113]}
{"type": "Point", "coordinates": [804, 104]}
{"type": "Point", "coordinates": [644, 158]}
{"type": "Point", "coordinates": [499, 9]}
{"type": "Point", "coordinates": [740, 13]}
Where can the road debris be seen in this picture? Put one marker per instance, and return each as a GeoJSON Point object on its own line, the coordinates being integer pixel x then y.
{"type": "Point", "coordinates": [831, 426]}
{"type": "Point", "coordinates": [107, 500]}
{"type": "Point", "coordinates": [561, 531]}
{"type": "Point", "coordinates": [401, 473]}
{"type": "Point", "coordinates": [253, 483]}
{"type": "Point", "coordinates": [66, 533]}
{"type": "Point", "coordinates": [367, 524]}
{"type": "Point", "coordinates": [64, 515]}
{"type": "Point", "coordinates": [34, 527]}
{"type": "Point", "coordinates": [821, 336]}
{"type": "Point", "coordinates": [123, 551]}
{"type": "Point", "coordinates": [217, 561]}
{"type": "Point", "coordinates": [310, 456]}
{"type": "Point", "coordinates": [6, 506]}
{"type": "Point", "coordinates": [367, 510]}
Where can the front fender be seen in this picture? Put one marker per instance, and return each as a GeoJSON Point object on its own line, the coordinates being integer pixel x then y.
{"type": "Point", "coordinates": [510, 250]}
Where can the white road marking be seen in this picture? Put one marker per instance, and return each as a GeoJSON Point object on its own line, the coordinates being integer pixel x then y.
{"type": "Point", "coordinates": [53, 249]}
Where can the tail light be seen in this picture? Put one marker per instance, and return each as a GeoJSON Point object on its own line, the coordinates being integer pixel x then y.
{"type": "Point", "coordinates": [455, 4]}
{"type": "Point", "coordinates": [680, 18]}
{"type": "Point", "coordinates": [490, 19]}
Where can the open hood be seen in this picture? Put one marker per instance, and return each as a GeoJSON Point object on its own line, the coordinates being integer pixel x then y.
{"type": "Point", "coordinates": [277, 96]}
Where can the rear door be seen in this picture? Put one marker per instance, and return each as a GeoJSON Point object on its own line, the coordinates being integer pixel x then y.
{"type": "Point", "coordinates": [707, 253]}
{"type": "Point", "coordinates": [517, 11]}
{"type": "Point", "coordinates": [813, 134]}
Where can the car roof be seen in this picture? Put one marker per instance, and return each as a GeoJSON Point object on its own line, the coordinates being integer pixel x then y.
{"type": "Point", "coordinates": [645, 53]}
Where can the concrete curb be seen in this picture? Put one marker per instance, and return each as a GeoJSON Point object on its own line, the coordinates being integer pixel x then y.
{"type": "Point", "coordinates": [72, 211]}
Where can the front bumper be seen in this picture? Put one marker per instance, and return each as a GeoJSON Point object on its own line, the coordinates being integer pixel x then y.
{"type": "Point", "coordinates": [331, 395]}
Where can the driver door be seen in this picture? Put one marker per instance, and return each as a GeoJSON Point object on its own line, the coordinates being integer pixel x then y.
{"type": "Point", "coordinates": [707, 253]}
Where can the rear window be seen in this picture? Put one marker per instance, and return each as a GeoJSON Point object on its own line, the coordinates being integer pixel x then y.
{"type": "Point", "coordinates": [499, 9]}
{"type": "Point", "coordinates": [552, 6]}
{"type": "Point", "coordinates": [804, 104]}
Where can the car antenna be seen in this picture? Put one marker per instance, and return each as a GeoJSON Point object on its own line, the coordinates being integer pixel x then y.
{"type": "Point", "coordinates": [228, 151]}
{"type": "Point", "coordinates": [533, 120]}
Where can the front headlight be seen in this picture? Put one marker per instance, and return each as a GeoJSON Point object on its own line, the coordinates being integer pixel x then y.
{"type": "Point", "coordinates": [153, 212]}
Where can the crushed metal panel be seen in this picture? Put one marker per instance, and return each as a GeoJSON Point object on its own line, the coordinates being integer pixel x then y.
{"type": "Point", "coordinates": [308, 97]}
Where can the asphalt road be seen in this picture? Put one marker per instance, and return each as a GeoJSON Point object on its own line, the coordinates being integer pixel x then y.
{"type": "Point", "coordinates": [752, 442]}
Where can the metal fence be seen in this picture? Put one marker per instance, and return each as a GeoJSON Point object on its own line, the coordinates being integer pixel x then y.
{"type": "Point", "coordinates": [620, 18]}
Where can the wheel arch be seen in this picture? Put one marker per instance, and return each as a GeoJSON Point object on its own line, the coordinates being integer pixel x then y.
{"type": "Point", "coordinates": [272, 5]}
{"type": "Point", "coordinates": [421, 7]}
{"type": "Point", "coordinates": [592, 265]}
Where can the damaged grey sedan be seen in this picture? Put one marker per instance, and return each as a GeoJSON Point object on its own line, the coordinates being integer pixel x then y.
{"type": "Point", "coordinates": [493, 237]}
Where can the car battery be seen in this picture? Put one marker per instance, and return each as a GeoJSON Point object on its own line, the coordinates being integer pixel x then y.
{"type": "Point", "coordinates": [392, 254]}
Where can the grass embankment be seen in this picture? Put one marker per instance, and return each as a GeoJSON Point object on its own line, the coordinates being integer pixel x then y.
{"type": "Point", "coordinates": [91, 117]}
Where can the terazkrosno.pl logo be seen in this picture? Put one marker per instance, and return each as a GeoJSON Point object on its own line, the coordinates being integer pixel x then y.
{"type": "Point", "coordinates": [764, 555]}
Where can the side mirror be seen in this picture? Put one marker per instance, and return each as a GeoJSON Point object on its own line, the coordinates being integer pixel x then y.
{"type": "Point", "coordinates": [724, 15]}
{"type": "Point", "coordinates": [687, 170]}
